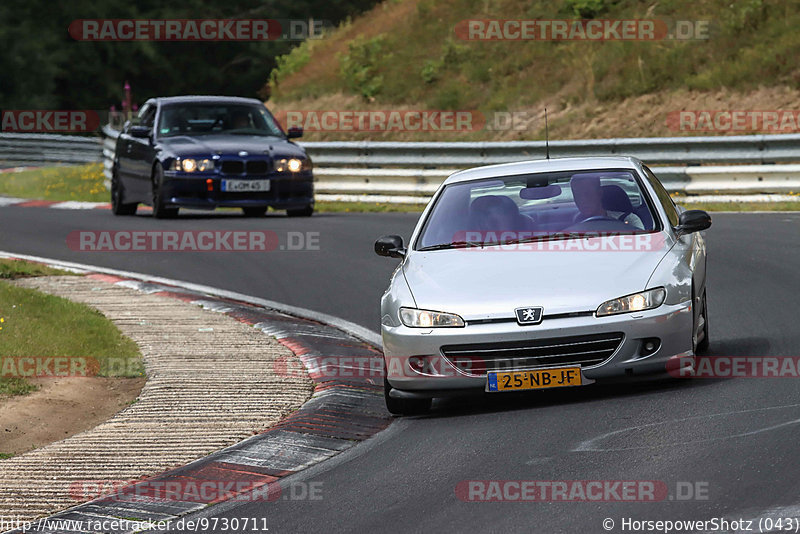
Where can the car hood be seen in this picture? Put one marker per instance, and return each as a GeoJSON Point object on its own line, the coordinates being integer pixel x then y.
{"type": "Point", "coordinates": [231, 145]}
{"type": "Point", "coordinates": [492, 282]}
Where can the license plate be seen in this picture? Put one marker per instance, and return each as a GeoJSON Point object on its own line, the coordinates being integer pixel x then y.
{"type": "Point", "coordinates": [533, 379]}
{"type": "Point", "coordinates": [236, 186]}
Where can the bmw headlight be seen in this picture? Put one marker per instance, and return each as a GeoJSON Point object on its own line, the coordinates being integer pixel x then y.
{"type": "Point", "coordinates": [646, 300]}
{"type": "Point", "coordinates": [192, 165]}
{"type": "Point", "coordinates": [415, 318]}
{"type": "Point", "coordinates": [293, 164]}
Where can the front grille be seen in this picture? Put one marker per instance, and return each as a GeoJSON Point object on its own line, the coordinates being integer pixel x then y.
{"type": "Point", "coordinates": [257, 166]}
{"type": "Point", "coordinates": [232, 167]}
{"type": "Point", "coordinates": [478, 358]}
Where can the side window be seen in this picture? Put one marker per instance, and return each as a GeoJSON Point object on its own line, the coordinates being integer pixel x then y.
{"type": "Point", "coordinates": [147, 116]}
{"type": "Point", "coordinates": [663, 197]}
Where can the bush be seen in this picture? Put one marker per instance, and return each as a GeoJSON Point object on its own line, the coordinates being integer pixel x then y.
{"type": "Point", "coordinates": [359, 67]}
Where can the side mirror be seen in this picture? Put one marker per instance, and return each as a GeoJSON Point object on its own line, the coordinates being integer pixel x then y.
{"type": "Point", "coordinates": [294, 132]}
{"type": "Point", "coordinates": [390, 246]}
{"type": "Point", "coordinates": [142, 132]}
{"type": "Point", "coordinates": [693, 221]}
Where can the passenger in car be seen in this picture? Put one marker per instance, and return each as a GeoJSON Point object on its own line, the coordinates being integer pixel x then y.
{"type": "Point", "coordinates": [497, 213]}
{"type": "Point", "coordinates": [588, 194]}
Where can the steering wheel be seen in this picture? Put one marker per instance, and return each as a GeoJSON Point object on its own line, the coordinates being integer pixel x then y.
{"type": "Point", "coordinates": [624, 216]}
{"type": "Point", "coordinates": [598, 218]}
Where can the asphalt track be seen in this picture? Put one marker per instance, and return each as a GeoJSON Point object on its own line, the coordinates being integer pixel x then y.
{"type": "Point", "coordinates": [734, 439]}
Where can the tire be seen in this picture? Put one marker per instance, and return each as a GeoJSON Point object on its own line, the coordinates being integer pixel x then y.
{"type": "Point", "coordinates": [404, 406]}
{"type": "Point", "coordinates": [117, 194]}
{"type": "Point", "coordinates": [254, 212]}
{"type": "Point", "coordinates": [301, 212]}
{"type": "Point", "coordinates": [160, 209]}
{"type": "Point", "coordinates": [702, 345]}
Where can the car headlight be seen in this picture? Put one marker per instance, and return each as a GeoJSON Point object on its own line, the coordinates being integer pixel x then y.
{"type": "Point", "coordinates": [415, 318]}
{"type": "Point", "coordinates": [293, 165]}
{"type": "Point", "coordinates": [192, 165]}
{"type": "Point", "coordinates": [646, 300]}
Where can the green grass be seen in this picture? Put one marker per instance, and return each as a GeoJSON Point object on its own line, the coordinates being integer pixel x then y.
{"type": "Point", "coordinates": [81, 182]}
{"type": "Point", "coordinates": [741, 206]}
{"type": "Point", "coordinates": [5, 456]}
{"type": "Point", "coordinates": [366, 207]}
{"type": "Point", "coordinates": [33, 324]}
{"type": "Point", "coordinates": [15, 386]}
{"type": "Point", "coordinates": [13, 269]}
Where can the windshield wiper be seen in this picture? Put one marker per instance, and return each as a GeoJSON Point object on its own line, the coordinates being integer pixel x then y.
{"type": "Point", "coordinates": [454, 244]}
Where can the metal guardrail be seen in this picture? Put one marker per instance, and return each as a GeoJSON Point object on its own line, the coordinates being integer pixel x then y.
{"type": "Point", "coordinates": [46, 149]}
{"type": "Point", "coordinates": [754, 149]}
{"type": "Point", "coordinates": [409, 172]}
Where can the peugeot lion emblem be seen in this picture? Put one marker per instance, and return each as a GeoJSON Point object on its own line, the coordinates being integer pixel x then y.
{"type": "Point", "coordinates": [529, 315]}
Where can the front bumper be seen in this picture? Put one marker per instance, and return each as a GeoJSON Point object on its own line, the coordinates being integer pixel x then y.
{"type": "Point", "coordinates": [672, 324]}
{"type": "Point", "coordinates": [285, 192]}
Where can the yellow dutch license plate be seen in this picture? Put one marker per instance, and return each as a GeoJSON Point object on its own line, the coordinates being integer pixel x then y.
{"type": "Point", "coordinates": [533, 379]}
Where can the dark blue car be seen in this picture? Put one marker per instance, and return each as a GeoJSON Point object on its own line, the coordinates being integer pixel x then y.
{"type": "Point", "coordinates": [207, 152]}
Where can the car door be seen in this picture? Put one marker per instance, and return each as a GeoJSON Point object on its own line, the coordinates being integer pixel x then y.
{"type": "Point", "coordinates": [692, 246]}
{"type": "Point", "coordinates": [122, 159]}
{"type": "Point", "coordinates": [141, 153]}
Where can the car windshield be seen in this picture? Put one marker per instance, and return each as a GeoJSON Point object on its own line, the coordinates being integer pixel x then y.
{"type": "Point", "coordinates": [537, 206]}
{"type": "Point", "coordinates": [202, 119]}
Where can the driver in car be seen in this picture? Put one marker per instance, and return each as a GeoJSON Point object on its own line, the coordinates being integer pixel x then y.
{"type": "Point", "coordinates": [240, 121]}
{"type": "Point", "coordinates": [587, 192]}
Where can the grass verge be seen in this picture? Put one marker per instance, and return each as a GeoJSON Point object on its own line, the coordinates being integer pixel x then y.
{"type": "Point", "coordinates": [741, 206]}
{"type": "Point", "coordinates": [366, 207]}
{"type": "Point", "coordinates": [33, 324]}
{"type": "Point", "coordinates": [13, 269]}
{"type": "Point", "coordinates": [80, 182]}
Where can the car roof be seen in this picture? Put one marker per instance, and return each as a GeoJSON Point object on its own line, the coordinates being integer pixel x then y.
{"type": "Point", "coordinates": [545, 165]}
{"type": "Point", "coordinates": [195, 99]}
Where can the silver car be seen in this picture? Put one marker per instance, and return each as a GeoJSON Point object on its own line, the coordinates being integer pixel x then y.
{"type": "Point", "coordinates": [542, 274]}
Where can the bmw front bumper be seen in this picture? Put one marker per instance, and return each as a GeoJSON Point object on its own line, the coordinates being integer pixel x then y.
{"type": "Point", "coordinates": [285, 192]}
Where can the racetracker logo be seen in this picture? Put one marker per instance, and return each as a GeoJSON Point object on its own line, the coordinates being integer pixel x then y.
{"type": "Point", "coordinates": [528, 241]}
{"type": "Point", "coordinates": [190, 241]}
{"type": "Point", "coordinates": [734, 366]}
{"type": "Point", "coordinates": [49, 120]}
{"type": "Point", "coordinates": [193, 490]}
{"type": "Point", "coordinates": [372, 367]}
{"type": "Point", "coordinates": [561, 490]}
{"type": "Point", "coordinates": [68, 367]}
{"type": "Point", "coordinates": [383, 120]}
{"type": "Point", "coordinates": [196, 29]}
{"type": "Point", "coordinates": [780, 121]}
{"type": "Point", "coordinates": [581, 30]}
{"type": "Point", "coordinates": [48, 366]}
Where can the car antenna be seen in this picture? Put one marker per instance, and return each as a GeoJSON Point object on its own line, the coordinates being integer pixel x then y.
{"type": "Point", "coordinates": [546, 136]}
